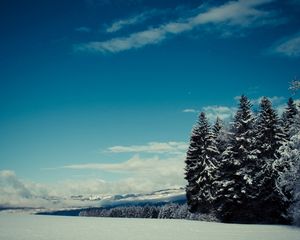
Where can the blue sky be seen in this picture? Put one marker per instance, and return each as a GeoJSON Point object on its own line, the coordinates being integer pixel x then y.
{"type": "Point", "coordinates": [99, 90]}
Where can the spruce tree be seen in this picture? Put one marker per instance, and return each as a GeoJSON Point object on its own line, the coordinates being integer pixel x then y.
{"type": "Point", "coordinates": [239, 161]}
{"type": "Point", "coordinates": [191, 168]}
{"type": "Point", "coordinates": [288, 164]}
{"type": "Point", "coordinates": [270, 134]}
{"type": "Point", "coordinates": [221, 142]}
{"type": "Point", "coordinates": [207, 167]}
{"type": "Point", "coordinates": [221, 136]}
{"type": "Point", "coordinates": [270, 137]}
{"type": "Point", "coordinates": [200, 167]}
{"type": "Point", "coordinates": [217, 127]}
{"type": "Point", "coordinates": [288, 116]}
{"type": "Point", "coordinates": [288, 178]}
{"type": "Point", "coordinates": [294, 210]}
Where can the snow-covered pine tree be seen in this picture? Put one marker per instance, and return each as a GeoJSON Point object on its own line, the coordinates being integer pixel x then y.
{"type": "Point", "coordinates": [288, 182]}
{"type": "Point", "coordinates": [295, 207]}
{"type": "Point", "coordinates": [288, 116]}
{"type": "Point", "coordinates": [289, 179]}
{"type": "Point", "coordinates": [295, 128]}
{"type": "Point", "coordinates": [221, 136]}
{"type": "Point", "coordinates": [270, 136]}
{"type": "Point", "coordinates": [221, 141]}
{"type": "Point", "coordinates": [239, 160]}
{"type": "Point", "coordinates": [192, 166]}
{"type": "Point", "coordinates": [217, 127]}
{"type": "Point", "coordinates": [200, 167]}
{"type": "Point", "coordinates": [208, 169]}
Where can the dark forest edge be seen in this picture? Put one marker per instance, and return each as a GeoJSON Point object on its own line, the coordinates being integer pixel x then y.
{"type": "Point", "coordinates": [176, 210]}
{"type": "Point", "coordinates": [247, 171]}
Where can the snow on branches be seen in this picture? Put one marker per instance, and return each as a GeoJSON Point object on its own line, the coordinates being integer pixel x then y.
{"type": "Point", "coordinates": [247, 173]}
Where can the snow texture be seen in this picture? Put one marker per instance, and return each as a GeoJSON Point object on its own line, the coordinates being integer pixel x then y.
{"type": "Point", "coordinates": [32, 227]}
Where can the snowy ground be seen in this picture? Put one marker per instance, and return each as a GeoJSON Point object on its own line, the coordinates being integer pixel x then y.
{"type": "Point", "coordinates": [32, 227]}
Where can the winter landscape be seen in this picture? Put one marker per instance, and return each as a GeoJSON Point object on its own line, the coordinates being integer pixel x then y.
{"type": "Point", "coordinates": [147, 119]}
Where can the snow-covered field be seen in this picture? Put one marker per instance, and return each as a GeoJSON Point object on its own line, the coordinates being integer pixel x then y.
{"type": "Point", "coordinates": [32, 227]}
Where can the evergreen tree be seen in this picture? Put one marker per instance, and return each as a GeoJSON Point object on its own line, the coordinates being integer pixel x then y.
{"type": "Point", "coordinates": [239, 161]}
{"type": "Point", "coordinates": [288, 182]}
{"type": "Point", "coordinates": [270, 137]}
{"type": "Point", "coordinates": [208, 169]}
{"type": "Point", "coordinates": [295, 128]}
{"type": "Point", "coordinates": [295, 207]}
{"type": "Point", "coordinates": [221, 136]}
{"type": "Point", "coordinates": [217, 127]}
{"type": "Point", "coordinates": [270, 134]}
{"type": "Point", "coordinates": [289, 161]}
{"type": "Point", "coordinates": [221, 141]}
{"type": "Point", "coordinates": [288, 116]}
{"type": "Point", "coordinates": [200, 167]}
{"type": "Point", "coordinates": [191, 168]}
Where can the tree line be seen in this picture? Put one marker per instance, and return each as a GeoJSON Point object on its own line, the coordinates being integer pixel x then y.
{"type": "Point", "coordinates": [246, 171]}
{"type": "Point", "coordinates": [164, 211]}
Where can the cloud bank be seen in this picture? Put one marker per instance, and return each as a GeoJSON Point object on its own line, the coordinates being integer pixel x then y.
{"type": "Point", "coordinates": [223, 112]}
{"type": "Point", "coordinates": [152, 147]}
{"type": "Point", "coordinates": [242, 13]}
{"type": "Point", "coordinates": [141, 175]}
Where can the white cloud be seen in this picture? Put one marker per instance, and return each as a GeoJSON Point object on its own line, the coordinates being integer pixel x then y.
{"type": "Point", "coordinates": [289, 47]}
{"type": "Point", "coordinates": [135, 40]}
{"type": "Point", "coordinates": [240, 13]}
{"type": "Point", "coordinates": [136, 175]}
{"type": "Point", "coordinates": [223, 112]}
{"type": "Point", "coordinates": [190, 110]}
{"type": "Point", "coordinates": [16, 193]}
{"type": "Point", "coordinates": [152, 147]}
{"type": "Point", "coordinates": [137, 165]}
{"type": "Point", "coordinates": [144, 175]}
{"type": "Point", "coordinates": [138, 19]}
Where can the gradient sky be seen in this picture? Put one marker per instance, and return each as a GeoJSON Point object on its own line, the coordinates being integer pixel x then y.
{"type": "Point", "coordinates": [80, 77]}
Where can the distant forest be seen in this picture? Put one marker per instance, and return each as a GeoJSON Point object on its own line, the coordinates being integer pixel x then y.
{"type": "Point", "coordinates": [249, 170]}
{"type": "Point", "coordinates": [161, 211]}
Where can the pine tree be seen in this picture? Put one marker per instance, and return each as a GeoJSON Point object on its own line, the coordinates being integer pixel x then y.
{"type": "Point", "coordinates": [191, 169]}
{"type": "Point", "coordinates": [221, 136]}
{"type": "Point", "coordinates": [207, 167]}
{"type": "Point", "coordinates": [294, 210]}
{"type": "Point", "coordinates": [288, 116]}
{"type": "Point", "coordinates": [200, 167]}
{"type": "Point", "coordinates": [239, 161]}
{"type": "Point", "coordinates": [221, 141]}
{"type": "Point", "coordinates": [270, 137]}
{"type": "Point", "coordinates": [217, 127]}
{"type": "Point", "coordinates": [289, 161]}
{"type": "Point", "coordinates": [270, 134]}
{"type": "Point", "coordinates": [295, 127]}
{"type": "Point", "coordinates": [288, 164]}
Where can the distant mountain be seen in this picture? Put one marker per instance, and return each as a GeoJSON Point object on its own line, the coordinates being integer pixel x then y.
{"type": "Point", "coordinates": [161, 196]}
{"type": "Point", "coordinates": [157, 198]}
